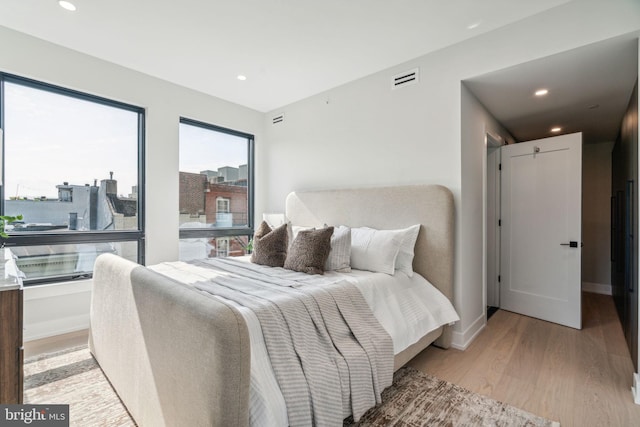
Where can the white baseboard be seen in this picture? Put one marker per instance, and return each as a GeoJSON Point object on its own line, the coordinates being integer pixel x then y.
{"type": "Point", "coordinates": [461, 340]}
{"type": "Point", "coordinates": [596, 288]}
{"type": "Point", "coordinates": [635, 389]}
{"type": "Point", "coordinates": [54, 327]}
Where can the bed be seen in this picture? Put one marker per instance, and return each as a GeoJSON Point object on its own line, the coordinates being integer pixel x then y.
{"type": "Point", "coordinates": [176, 358]}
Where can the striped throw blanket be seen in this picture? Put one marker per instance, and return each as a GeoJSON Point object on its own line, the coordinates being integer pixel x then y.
{"type": "Point", "coordinates": [330, 355]}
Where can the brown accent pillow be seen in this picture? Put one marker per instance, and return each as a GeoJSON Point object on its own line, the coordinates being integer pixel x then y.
{"type": "Point", "coordinates": [309, 251]}
{"type": "Point", "coordinates": [270, 246]}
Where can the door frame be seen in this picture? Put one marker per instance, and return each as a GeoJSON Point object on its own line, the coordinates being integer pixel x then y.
{"type": "Point", "coordinates": [491, 140]}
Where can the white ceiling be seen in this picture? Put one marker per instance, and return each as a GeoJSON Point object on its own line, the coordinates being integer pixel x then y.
{"type": "Point", "coordinates": [589, 90]}
{"type": "Point", "coordinates": [288, 49]}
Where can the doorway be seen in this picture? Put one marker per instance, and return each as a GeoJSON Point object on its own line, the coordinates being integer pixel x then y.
{"type": "Point", "coordinates": [492, 245]}
{"type": "Point", "coordinates": [533, 204]}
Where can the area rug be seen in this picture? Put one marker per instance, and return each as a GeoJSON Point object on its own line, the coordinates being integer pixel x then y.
{"type": "Point", "coordinates": [415, 399]}
{"type": "Point", "coordinates": [72, 377]}
{"type": "Point", "coordinates": [418, 399]}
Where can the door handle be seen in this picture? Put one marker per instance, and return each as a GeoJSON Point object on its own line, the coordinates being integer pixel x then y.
{"type": "Point", "coordinates": [571, 244]}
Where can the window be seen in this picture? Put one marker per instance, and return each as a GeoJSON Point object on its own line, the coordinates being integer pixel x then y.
{"type": "Point", "coordinates": [216, 190]}
{"type": "Point", "coordinates": [73, 168]}
{"type": "Point", "coordinates": [222, 246]}
{"type": "Point", "coordinates": [222, 205]}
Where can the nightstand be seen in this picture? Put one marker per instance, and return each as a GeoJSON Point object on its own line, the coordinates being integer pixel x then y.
{"type": "Point", "coordinates": [11, 350]}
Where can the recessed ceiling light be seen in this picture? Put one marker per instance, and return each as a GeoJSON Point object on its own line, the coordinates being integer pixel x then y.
{"type": "Point", "coordinates": [474, 25]}
{"type": "Point", "coordinates": [67, 5]}
{"type": "Point", "coordinates": [541, 92]}
{"type": "Point", "coordinates": [242, 77]}
{"type": "Point", "coordinates": [556, 129]}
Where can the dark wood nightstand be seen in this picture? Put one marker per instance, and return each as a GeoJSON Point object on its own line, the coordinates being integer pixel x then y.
{"type": "Point", "coordinates": [11, 350]}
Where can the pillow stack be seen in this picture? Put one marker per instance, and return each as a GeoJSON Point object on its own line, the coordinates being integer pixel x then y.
{"type": "Point", "coordinates": [341, 248]}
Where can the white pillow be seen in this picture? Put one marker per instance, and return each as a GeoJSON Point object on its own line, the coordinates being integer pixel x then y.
{"type": "Point", "coordinates": [340, 255]}
{"type": "Point", "coordinates": [404, 261]}
{"type": "Point", "coordinates": [274, 220]}
{"type": "Point", "coordinates": [375, 250]}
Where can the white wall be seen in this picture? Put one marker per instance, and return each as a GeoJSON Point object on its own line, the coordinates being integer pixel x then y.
{"type": "Point", "coordinates": [365, 134]}
{"type": "Point", "coordinates": [476, 121]}
{"type": "Point", "coordinates": [164, 104]}
{"type": "Point", "coordinates": [56, 309]}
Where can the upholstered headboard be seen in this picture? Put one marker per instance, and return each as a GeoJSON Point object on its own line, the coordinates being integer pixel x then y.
{"type": "Point", "coordinates": [389, 208]}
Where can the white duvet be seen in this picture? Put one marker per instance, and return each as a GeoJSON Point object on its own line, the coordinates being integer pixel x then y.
{"type": "Point", "coordinates": [407, 308]}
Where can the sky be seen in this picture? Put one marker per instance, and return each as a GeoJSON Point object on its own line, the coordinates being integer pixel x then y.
{"type": "Point", "coordinates": [202, 149]}
{"type": "Point", "coordinates": [50, 139]}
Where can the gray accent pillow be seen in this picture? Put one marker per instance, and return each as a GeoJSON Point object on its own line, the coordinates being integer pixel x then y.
{"type": "Point", "coordinates": [309, 251]}
{"type": "Point", "coordinates": [340, 256]}
{"type": "Point", "coordinates": [270, 246]}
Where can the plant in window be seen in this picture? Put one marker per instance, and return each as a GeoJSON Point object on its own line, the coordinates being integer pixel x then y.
{"type": "Point", "coordinates": [7, 219]}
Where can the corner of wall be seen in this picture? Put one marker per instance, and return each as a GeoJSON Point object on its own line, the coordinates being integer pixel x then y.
{"type": "Point", "coordinates": [462, 340]}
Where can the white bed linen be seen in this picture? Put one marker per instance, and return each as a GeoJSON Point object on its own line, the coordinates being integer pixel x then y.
{"type": "Point", "coordinates": [407, 307]}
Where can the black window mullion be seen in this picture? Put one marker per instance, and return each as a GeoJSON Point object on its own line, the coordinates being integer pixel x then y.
{"type": "Point", "coordinates": [141, 186]}
{"type": "Point", "coordinates": [251, 182]}
{"type": "Point", "coordinates": [35, 239]}
{"type": "Point", "coordinates": [193, 233]}
{"type": "Point", "coordinates": [2, 141]}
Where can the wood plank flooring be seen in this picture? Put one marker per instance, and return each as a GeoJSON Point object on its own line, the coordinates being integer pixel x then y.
{"type": "Point", "coordinates": [55, 343]}
{"type": "Point", "coordinates": [578, 377]}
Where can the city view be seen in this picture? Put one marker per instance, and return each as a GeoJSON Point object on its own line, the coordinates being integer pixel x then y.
{"type": "Point", "coordinates": [209, 199]}
{"type": "Point", "coordinates": [56, 145]}
{"type": "Point", "coordinates": [96, 207]}
{"type": "Point", "coordinates": [213, 199]}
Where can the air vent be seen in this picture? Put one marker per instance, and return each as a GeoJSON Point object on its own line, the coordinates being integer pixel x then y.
{"type": "Point", "coordinates": [278, 119]}
{"type": "Point", "coordinates": [407, 78]}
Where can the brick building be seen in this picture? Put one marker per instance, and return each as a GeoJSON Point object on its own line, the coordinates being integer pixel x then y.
{"type": "Point", "coordinates": [216, 199]}
{"type": "Point", "coordinates": [192, 193]}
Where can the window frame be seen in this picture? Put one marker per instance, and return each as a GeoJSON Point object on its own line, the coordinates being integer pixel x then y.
{"type": "Point", "coordinates": [224, 240]}
{"type": "Point", "coordinates": [226, 201]}
{"type": "Point", "coordinates": [247, 230]}
{"type": "Point", "coordinates": [72, 237]}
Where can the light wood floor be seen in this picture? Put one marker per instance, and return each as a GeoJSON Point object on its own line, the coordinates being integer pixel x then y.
{"type": "Point", "coordinates": [55, 343]}
{"type": "Point", "coordinates": [578, 377]}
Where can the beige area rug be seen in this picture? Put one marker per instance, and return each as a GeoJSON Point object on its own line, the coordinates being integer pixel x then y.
{"type": "Point", "coordinates": [72, 377]}
{"type": "Point", "coordinates": [418, 399]}
{"type": "Point", "coordinates": [415, 399]}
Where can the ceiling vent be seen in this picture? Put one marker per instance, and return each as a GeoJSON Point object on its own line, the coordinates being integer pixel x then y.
{"type": "Point", "coordinates": [407, 78]}
{"type": "Point", "coordinates": [278, 119]}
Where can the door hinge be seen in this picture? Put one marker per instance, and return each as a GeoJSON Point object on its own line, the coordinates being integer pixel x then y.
{"type": "Point", "coordinates": [499, 278]}
{"type": "Point", "coordinates": [499, 166]}
{"type": "Point", "coordinates": [499, 223]}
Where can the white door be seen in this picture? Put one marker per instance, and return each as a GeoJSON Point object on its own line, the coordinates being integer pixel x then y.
{"type": "Point", "coordinates": [541, 231]}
